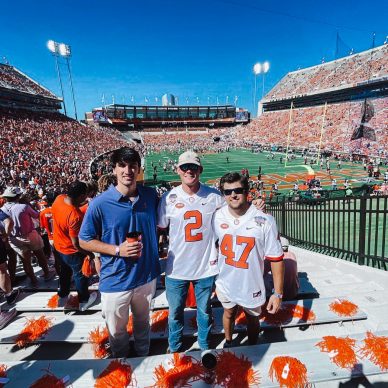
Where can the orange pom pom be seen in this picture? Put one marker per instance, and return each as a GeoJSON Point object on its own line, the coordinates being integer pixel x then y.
{"type": "Point", "coordinates": [184, 369]}
{"type": "Point", "coordinates": [117, 374]}
{"type": "Point", "coordinates": [33, 330]}
{"type": "Point", "coordinates": [48, 381]}
{"type": "Point", "coordinates": [99, 338]}
{"type": "Point", "coordinates": [287, 313]}
{"type": "Point", "coordinates": [159, 321]}
{"type": "Point", "coordinates": [190, 299]}
{"type": "Point", "coordinates": [232, 371]}
{"type": "Point", "coordinates": [343, 308]}
{"type": "Point", "coordinates": [88, 269]}
{"type": "Point", "coordinates": [53, 302]}
{"type": "Point", "coordinates": [376, 349]}
{"type": "Point", "coordinates": [341, 350]}
{"type": "Point", "coordinates": [3, 372]}
{"type": "Point", "coordinates": [289, 372]}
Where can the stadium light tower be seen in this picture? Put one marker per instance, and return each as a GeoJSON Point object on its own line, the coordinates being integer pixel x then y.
{"type": "Point", "coordinates": [259, 68]}
{"type": "Point", "coordinates": [265, 69]}
{"type": "Point", "coordinates": [53, 48]}
{"type": "Point", "coordinates": [65, 51]}
{"type": "Point", "coordinates": [256, 71]}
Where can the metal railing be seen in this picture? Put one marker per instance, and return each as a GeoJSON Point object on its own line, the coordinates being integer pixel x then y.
{"type": "Point", "coordinates": [354, 229]}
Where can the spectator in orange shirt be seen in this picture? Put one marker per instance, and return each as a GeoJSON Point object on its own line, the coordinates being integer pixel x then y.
{"type": "Point", "coordinates": [67, 223]}
{"type": "Point", "coordinates": [46, 226]}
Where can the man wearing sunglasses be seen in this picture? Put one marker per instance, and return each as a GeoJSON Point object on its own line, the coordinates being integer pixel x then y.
{"type": "Point", "coordinates": [246, 237]}
{"type": "Point", "coordinates": [192, 256]}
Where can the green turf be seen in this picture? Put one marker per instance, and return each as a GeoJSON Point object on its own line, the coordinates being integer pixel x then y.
{"type": "Point", "coordinates": [215, 165]}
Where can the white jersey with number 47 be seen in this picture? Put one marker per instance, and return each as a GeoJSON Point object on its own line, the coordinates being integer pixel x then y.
{"type": "Point", "coordinates": [244, 243]}
{"type": "Point", "coordinates": [192, 244]}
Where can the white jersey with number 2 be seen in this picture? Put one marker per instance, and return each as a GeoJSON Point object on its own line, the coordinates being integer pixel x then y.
{"type": "Point", "coordinates": [244, 243]}
{"type": "Point", "coordinates": [192, 244]}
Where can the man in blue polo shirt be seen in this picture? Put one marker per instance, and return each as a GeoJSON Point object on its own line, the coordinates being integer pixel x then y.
{"type": "Point", "coordinates": [128, 269]}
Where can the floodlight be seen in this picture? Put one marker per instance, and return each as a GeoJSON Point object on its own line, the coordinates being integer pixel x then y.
{"type": "Point", "coordinates": [265, 66]}
{"type": "Point", "coordinates": [257, 68]}
{"type": "Point", "coordinates": [64, 50]}
{"type": "Point", "coordinates": [52, 46]}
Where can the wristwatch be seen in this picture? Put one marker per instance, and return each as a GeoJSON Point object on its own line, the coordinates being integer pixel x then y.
{"type": "Point", "coordinates": [280, 296]}
{"type": "Point", "coordinates": [117, 251]}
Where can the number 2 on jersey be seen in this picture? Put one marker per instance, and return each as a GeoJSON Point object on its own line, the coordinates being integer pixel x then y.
{"type": "Point", "coordinates": [226, 248]}
{"type": "Point", "coordinates": [190, 235]}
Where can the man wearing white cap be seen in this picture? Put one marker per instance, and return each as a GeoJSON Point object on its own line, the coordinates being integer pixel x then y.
{"type": "Point", "coordinates": [188, 210]}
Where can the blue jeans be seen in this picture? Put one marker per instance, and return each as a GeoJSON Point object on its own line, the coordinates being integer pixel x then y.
{"type": "Point", "coordinates": [176, 291]}
{"type": "Point", "coordinates": [72, 265]}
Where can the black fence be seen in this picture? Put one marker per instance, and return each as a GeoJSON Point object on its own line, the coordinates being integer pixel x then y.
{"type": "Point", "coordinates": [354, 229]}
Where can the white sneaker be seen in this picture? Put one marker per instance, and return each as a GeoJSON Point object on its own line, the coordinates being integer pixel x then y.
{"type": "Point", "coordinates": [6, 317]}
{"type": "Point", "coordinates": [85, 305]}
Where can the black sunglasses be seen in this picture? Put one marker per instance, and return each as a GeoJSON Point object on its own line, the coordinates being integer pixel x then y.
{"type": "Point", "coordinates": [237, 190]}
{"type": "Point", "coordinates": [189, 166]}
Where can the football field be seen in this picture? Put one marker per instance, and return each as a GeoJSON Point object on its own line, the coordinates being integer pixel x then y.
{"type": "Point", "coordinates": [273, 170]}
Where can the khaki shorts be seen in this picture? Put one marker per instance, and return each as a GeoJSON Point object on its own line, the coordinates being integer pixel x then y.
{"type": "Point", "coordinates": [227, 304]}
{"type": "Point", "coordinates": [32, 242]}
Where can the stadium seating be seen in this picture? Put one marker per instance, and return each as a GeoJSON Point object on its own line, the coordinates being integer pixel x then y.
{"type": "Point", "coordinates": [340, 122]}
{"type": "Point", "coordinates": [12, 78]}
{"type": "Point", "coordinates": [198, 140]}
{"type": "Point", "coordinates": [368, 65]}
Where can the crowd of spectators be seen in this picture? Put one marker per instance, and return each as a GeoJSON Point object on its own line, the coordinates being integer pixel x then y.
{"type": "Point", "coordinates": [46, 151]}
{"type": "Point", "coordinates": [339, 124]}
{"type": "Point", "coordinates": [11, 78]}
{"type": "Point", "coordinates": [214, 140]}
{"type": "Point", "coordinates": [348, 71]}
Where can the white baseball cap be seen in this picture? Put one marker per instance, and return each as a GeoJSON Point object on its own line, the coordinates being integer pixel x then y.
{"type": "Point", "coordinates": [189, 157]}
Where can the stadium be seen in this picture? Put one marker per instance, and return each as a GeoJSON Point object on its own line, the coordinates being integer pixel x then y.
{"type": "Point", "coordinates": [316, 153]}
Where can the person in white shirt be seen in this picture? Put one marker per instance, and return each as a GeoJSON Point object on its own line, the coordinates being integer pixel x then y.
{"type": "Point", "coordinates": [246, 237]}
{"type": "Point", "coordinates": [188, 210]}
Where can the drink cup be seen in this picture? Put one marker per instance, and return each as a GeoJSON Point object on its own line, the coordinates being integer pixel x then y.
{"type": "Point", "coordinates": [134, 237]}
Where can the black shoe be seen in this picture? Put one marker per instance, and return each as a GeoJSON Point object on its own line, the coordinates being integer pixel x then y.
{"type": "Point", "coordinates": [11, 299]}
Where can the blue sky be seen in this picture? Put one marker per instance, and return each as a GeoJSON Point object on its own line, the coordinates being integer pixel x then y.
{"type": "Point", "coordinates": [193, 49]}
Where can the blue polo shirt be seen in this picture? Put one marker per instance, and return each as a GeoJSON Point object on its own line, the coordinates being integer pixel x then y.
{"type": "Point", "coordinates": [110, 216]}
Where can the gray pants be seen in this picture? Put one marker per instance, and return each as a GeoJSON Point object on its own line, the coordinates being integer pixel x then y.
{"type": "Point", "coordinates": [115, 309]}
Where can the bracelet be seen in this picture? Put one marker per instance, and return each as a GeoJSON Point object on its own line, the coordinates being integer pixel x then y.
{"type": "Point", "coordinates": [117, 251]}
{"type": "Point", "coordinates": [280, 296]}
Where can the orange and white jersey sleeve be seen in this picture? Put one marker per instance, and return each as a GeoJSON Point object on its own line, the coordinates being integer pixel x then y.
{"type": "Point", "coordinates": [244, 243]}
{"type": "Point", "coordinates": [192, 254]}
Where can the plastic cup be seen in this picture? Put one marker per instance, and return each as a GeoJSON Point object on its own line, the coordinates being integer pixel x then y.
{"type": "Point", "coordinates": [134, 237]}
